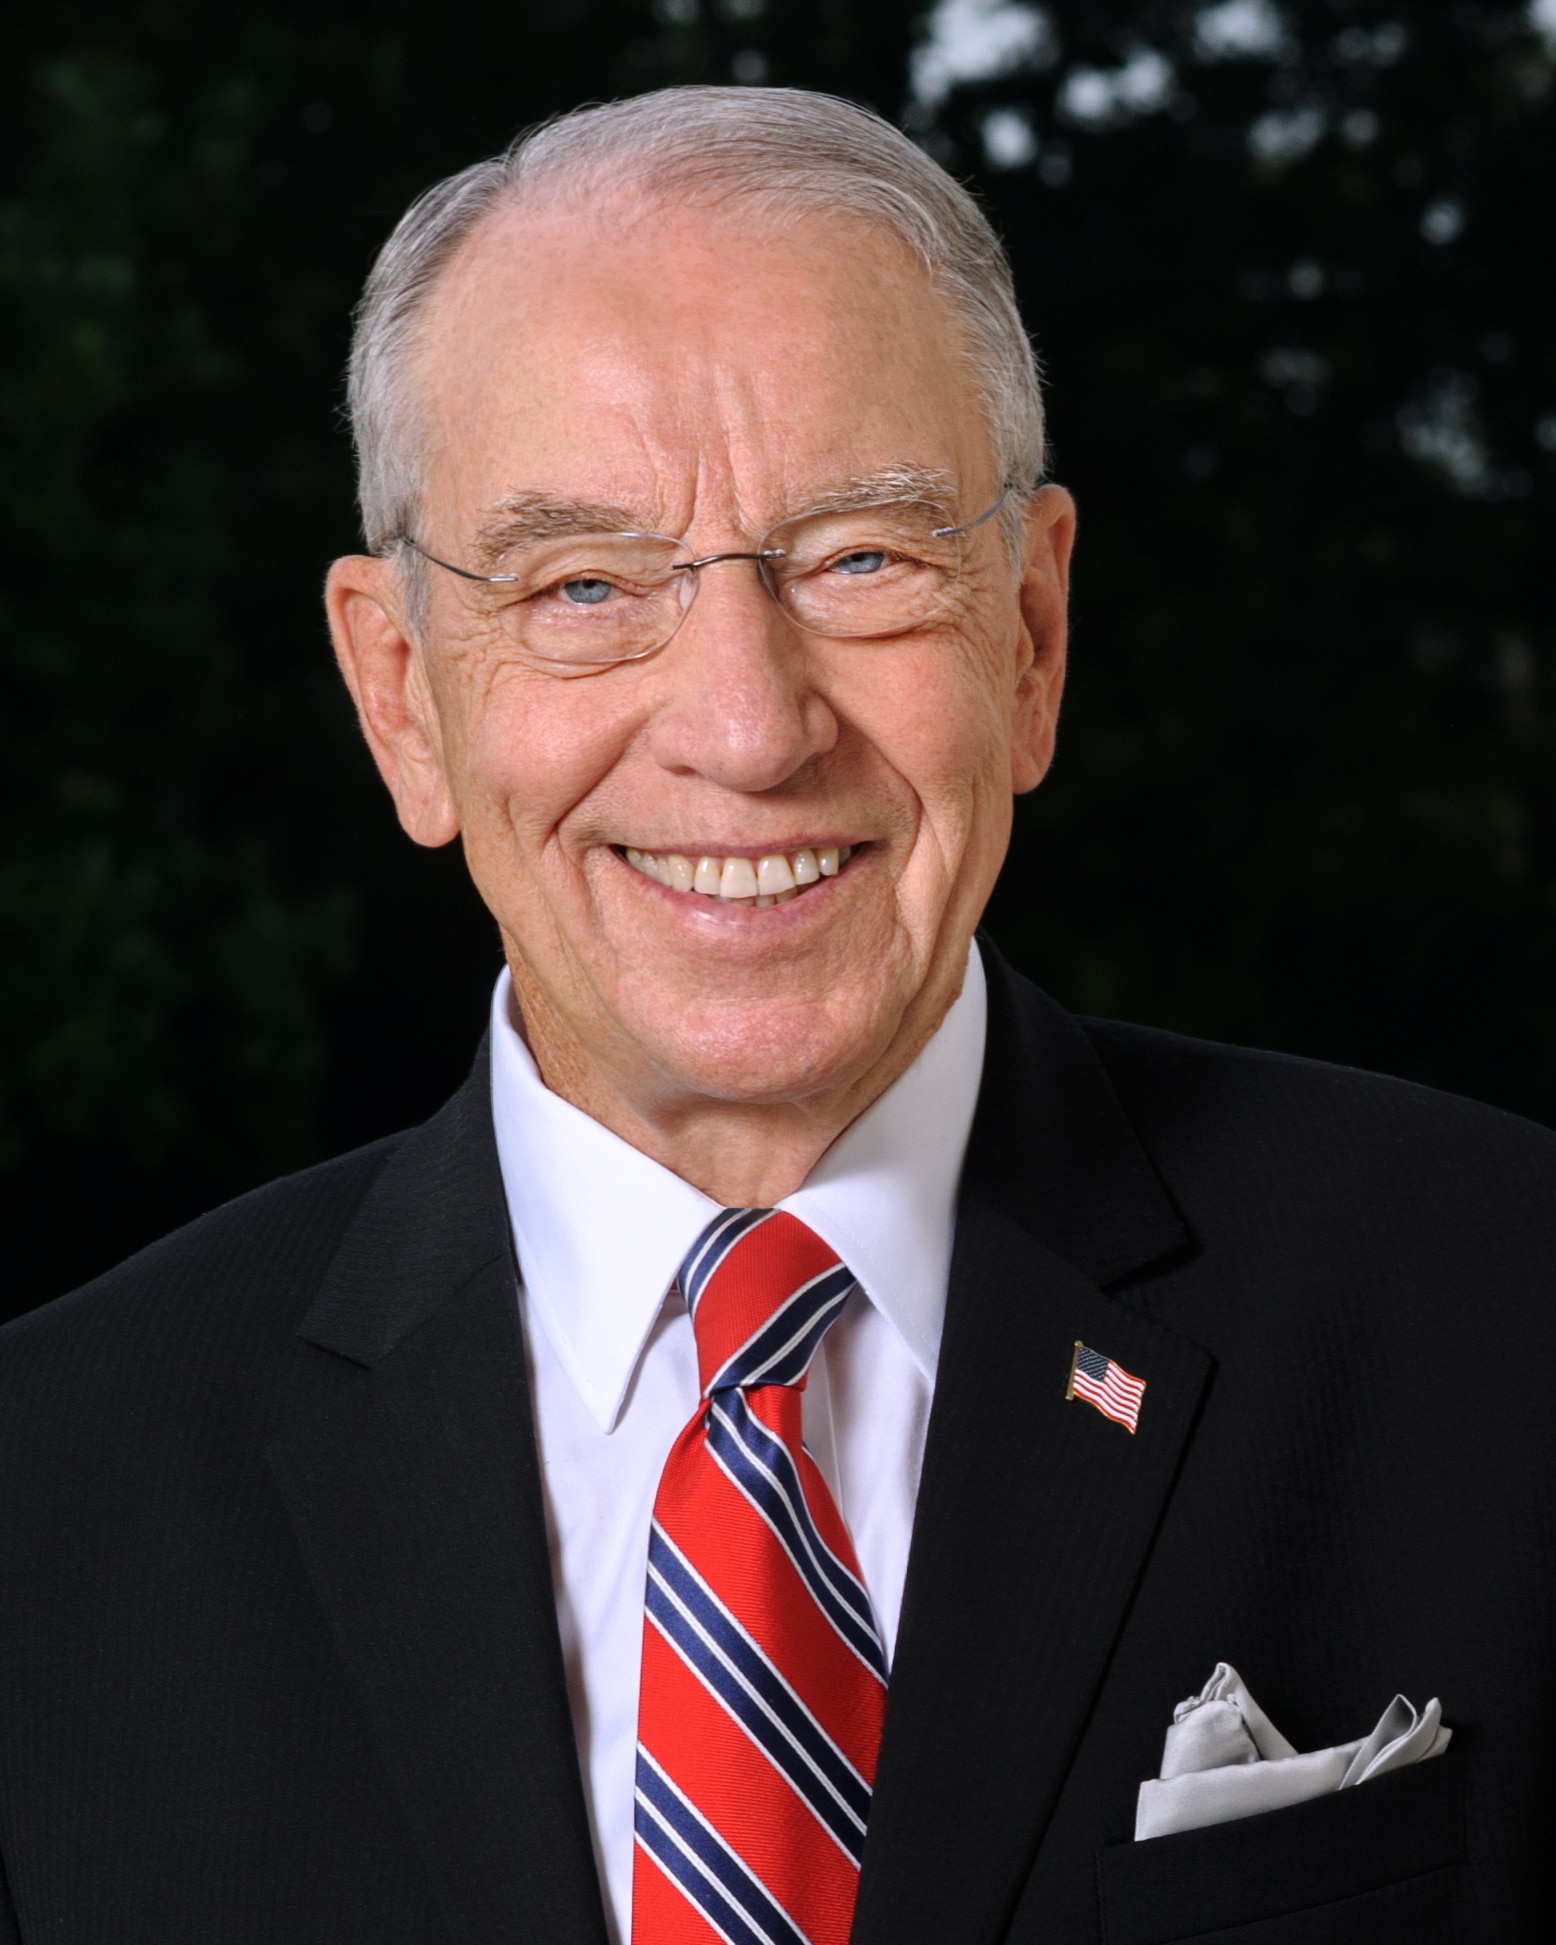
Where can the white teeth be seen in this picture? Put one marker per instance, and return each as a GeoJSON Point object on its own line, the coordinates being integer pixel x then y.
{"type": "Point", "coordinates": [773, 875]}
{"type": "Point", "coordinates": [760, 882]}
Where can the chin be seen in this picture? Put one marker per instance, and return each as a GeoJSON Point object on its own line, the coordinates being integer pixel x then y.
{"type": "Point", "coordinates": [769, 1054]}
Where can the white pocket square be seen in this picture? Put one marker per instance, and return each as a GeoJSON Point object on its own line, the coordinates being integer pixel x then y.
{"type": "Point", "coordinates": [1224, 1758]}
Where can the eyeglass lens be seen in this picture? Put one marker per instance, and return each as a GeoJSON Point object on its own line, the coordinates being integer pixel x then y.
{"type": "Point", "coordinates": [600, 598]}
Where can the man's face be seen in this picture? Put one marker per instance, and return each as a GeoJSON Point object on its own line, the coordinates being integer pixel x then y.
{"type": "Point", "coordinates": [709, 384]}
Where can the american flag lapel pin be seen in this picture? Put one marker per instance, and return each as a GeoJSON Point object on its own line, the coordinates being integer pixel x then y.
{"type": "Point", "coordinates": [1106, 1386]}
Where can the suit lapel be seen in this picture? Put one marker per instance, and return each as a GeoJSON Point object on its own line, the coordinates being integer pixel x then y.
{"type": "Point", "coordinates": [414, 1490]}
{"type": "Point", "coordinates": [1035, 1514]}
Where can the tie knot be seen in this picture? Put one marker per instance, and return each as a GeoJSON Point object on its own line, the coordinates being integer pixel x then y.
{"type": "Point", "coordinates": [762, 1290]}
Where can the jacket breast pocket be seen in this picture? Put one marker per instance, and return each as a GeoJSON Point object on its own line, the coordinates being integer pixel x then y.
{"type": "Point", "coordinates": [1384, 1847]}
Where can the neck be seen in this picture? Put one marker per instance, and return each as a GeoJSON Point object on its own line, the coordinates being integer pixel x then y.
{"type": "Point", "coordinates": [741, 1154]}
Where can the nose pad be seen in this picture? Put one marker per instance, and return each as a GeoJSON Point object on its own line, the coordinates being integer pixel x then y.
{"type": "Point", "coordinates": [741, 711]}
{"type": "Point", "coordinates": [691, 572]}
{"type": "Point", "coordinates": [769, 597]}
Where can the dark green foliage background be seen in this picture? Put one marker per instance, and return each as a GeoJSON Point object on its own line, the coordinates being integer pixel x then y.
{"type": "Point", "coordinates": [1305, 788]}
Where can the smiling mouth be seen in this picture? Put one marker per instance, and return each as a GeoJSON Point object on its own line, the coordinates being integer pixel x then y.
{"type": "Point", "coordinates": [773, 879]}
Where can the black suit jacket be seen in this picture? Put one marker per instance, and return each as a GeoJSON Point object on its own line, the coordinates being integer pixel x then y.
{"type": "Point", "coordinates": [278, 1650]}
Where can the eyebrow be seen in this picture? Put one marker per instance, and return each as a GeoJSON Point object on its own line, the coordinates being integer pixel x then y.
{"type": "Point", "coordinates": [521, 518]}
{"type": "Point", "coordinates": [925, 489]}
{"type": "Point", "coordinates": [524, 517]}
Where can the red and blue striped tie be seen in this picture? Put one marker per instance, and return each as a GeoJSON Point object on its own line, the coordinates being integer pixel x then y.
{"type": "Point", "coordinates": [764, 1684]}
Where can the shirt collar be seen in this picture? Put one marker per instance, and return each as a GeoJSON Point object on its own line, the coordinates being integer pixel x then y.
{"type": "Point", "coordinates": [601, 1230]}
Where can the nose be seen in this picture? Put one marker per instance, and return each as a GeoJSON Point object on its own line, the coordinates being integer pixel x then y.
{"type": "Point", "coordinates": [740, 704]}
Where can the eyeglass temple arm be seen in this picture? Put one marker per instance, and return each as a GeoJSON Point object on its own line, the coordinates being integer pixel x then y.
{"type": "Point", "coordinates": [464, 573]}
{"type": "Point", "coordinates": [945, 533]}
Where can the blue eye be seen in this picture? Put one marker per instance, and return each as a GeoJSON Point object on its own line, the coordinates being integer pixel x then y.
{"type": "Point", "coordinates": [866, 561]}
{"type": "Point", "coordinates": [586, 593]}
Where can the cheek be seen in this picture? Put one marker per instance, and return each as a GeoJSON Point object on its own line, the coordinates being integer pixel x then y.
{"type": "Point", "coordinates": [941, 718]}
{"type": "Point", "coordinates": [532, 748]}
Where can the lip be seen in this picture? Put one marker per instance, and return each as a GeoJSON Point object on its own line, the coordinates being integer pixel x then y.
{"type": "Point", "coordinates": [787, 846]}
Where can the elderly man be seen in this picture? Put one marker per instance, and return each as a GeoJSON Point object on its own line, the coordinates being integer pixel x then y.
{"type": "Point", "coordinates": [769, 1460]}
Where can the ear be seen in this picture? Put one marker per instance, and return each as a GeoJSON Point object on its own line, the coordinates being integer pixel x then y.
{"type": "Point", "coordinates": [385, 673]}
{"type": "Point", "coordinates": [1045, 596]}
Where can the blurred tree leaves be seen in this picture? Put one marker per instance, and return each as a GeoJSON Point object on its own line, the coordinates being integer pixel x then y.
{"type": "Point", "coordinates": [218, 958]}
{"type": "Point", "coordinates": [1292, 276]}
{"type": "Point", "coordinates": [1290, 272]}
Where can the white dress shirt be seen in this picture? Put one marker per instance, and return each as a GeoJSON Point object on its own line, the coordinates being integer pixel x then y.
{"type": "Point", "coordinates": [600, 1232]}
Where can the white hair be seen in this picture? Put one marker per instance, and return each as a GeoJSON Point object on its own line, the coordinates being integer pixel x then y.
{"type": "Point", "coordinates": [787, 152]}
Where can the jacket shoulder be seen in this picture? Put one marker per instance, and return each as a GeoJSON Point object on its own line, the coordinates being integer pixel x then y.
{"type": "Point", "coordinates": [1198, 1101]}
{"type": "Point", "coordinates": [257, 1258]}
